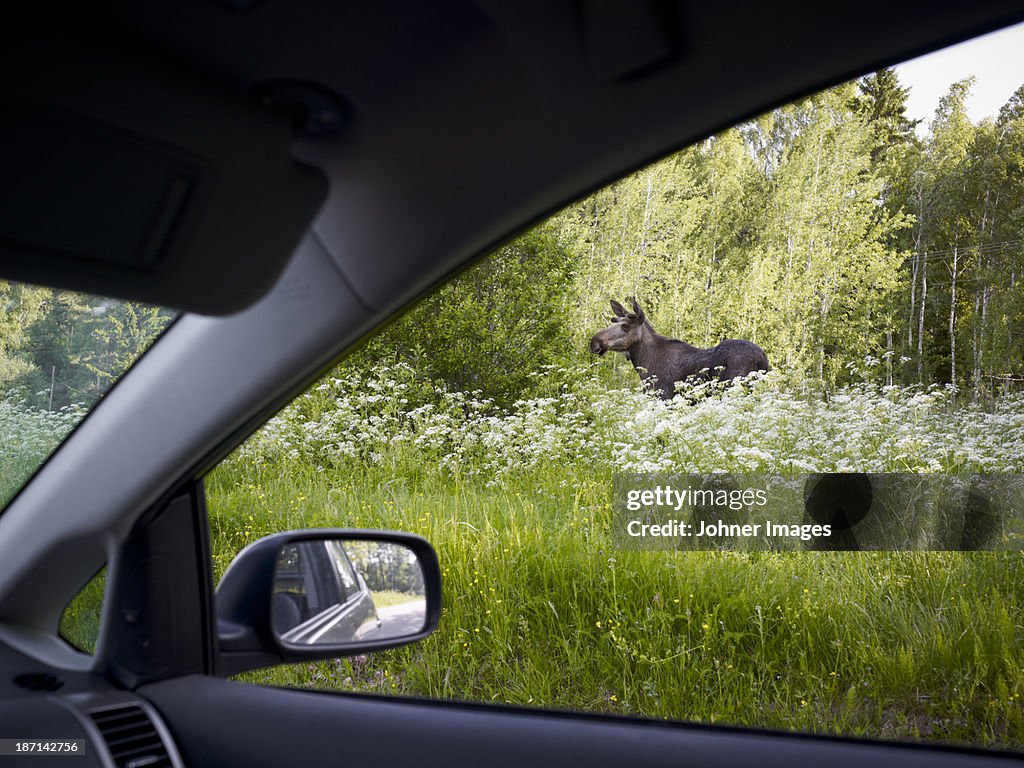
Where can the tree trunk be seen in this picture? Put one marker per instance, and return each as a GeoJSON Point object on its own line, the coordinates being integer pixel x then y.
{"type": "Point", "coordinates": [975, 345]}
{"type": "Point", "coordinates": [985, 295]}
{"type": "Point", "coordinates": [952, 321]}
{"type": "Point", "coordinates": [920, 319]}
{"type": "Point", "coordinates": [914, 269]}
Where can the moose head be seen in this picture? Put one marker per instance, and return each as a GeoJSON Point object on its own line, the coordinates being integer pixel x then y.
{"type": "Point", "coordinates": [627, 329]}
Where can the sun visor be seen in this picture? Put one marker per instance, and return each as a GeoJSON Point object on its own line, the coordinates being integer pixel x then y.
{"type": "Point", "coordinates": [124, 176]}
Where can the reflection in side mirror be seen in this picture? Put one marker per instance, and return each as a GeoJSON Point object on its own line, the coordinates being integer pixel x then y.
{"type": "Point", "coordinates": [323, 593]}
{"type": "Point", "coordinates": [331, 592]}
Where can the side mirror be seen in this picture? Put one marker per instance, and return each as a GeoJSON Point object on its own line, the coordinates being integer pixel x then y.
{"type": "Point", "coordinates": [305, 595]}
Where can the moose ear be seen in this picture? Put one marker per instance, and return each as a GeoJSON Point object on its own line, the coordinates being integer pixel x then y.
{"type": "Point", "coordinates": [618, 309]}
{"type": "Point", "coordinates": [637, 311]}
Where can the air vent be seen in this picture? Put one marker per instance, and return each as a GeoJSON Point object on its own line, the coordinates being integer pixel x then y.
{"type": "Point", "coordinates": [131, 737]}
{"type": "Point", "coordinates": [38, 681]}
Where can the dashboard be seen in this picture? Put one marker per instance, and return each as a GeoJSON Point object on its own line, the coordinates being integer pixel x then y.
{"type": "Point", "coordinates": [46, 713]}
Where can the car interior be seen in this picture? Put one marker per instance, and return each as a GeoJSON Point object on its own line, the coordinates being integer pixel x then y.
{"type": "Point", "coordinates": [291, 177]}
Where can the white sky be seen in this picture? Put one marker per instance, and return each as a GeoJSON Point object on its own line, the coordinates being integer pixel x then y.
{"type": "Point", "coordinates": [996, 60]}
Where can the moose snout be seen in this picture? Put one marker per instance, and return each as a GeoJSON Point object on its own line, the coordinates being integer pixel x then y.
{"type": "Point", "coordinates": [597, 346]}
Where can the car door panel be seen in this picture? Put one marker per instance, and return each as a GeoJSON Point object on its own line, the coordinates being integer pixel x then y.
{"type": "Point", "coordinates": [224, 723]}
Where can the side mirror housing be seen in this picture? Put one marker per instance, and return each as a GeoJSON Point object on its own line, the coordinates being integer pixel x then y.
{"type": "Point", "coordinates": [320, 594]}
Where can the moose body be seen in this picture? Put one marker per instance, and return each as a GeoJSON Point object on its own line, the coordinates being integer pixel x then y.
{"type": "Point", "coordinates": [662, 361]}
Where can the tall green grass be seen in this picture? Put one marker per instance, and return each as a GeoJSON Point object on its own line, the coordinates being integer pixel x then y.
{"type": "Point", "coordinates": [541, 610]}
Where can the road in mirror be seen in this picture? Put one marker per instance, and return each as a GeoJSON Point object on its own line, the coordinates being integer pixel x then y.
{"type": "Point", "coordinates": [347, 591]}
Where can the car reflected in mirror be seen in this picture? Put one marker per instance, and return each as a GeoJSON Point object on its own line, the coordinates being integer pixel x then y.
{"type": "Point", "coordinates": [337, 591]}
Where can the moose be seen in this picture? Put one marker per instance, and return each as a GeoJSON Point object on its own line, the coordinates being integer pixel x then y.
{"type": "Point", "coordinates": [661, 361]}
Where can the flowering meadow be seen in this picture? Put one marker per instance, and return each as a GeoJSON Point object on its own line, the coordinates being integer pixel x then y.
{"type": "Point", "coordinates": [541, 610]}
{"type": "Point", "coordinates": [366, 421]}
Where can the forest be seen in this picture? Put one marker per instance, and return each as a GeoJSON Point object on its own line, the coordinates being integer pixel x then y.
{"type": "Point", "coordinates": [828, 231]}
{"type": "Point", "coordinates": [877, 262]}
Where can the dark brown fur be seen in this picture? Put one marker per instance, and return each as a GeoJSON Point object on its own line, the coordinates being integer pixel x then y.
{"type": "Point", "coordinates": [662, 361]}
